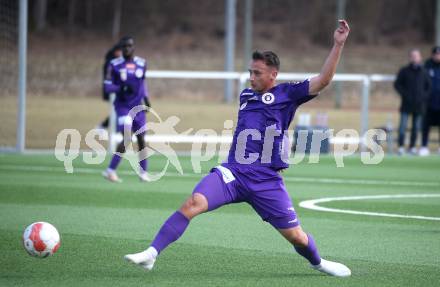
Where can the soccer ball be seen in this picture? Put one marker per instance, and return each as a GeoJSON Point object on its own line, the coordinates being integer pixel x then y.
{"type": "Point", "coordinates": [41, 239]}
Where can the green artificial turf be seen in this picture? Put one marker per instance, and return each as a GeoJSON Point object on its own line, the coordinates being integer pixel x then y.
{"type": "Point", "coordinates": [99, 222]}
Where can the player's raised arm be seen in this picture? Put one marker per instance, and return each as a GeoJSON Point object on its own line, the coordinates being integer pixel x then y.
{"type": "Point", "coordinates": [329, 68]}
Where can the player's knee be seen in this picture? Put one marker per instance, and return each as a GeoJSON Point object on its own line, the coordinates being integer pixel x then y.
{"type": "Point", "coordinates": [194, 205]}
{"type": "Point", "coordinates": [299, 238]}
{"type": "Point", "coordinates": [121, 147]}
{"type": "Point", "coordinates": [300, 241]}
{"type": "Point", "coordinates": [295, 236]}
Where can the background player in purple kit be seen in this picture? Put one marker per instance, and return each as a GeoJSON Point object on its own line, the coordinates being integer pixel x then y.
{"type": "Point", "coordinates": [125, 77]}
{"type": "Point", "coordinates": [252, 172]}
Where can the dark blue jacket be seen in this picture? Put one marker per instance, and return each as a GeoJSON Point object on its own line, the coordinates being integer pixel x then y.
{"type": "Point", "coordinates": [414, 86]}
{"type": "Point", "coordinates": [433, 69]}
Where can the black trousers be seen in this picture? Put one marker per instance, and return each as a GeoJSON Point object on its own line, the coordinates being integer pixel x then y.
{"type": "Point", "coordinates": [432, 118]}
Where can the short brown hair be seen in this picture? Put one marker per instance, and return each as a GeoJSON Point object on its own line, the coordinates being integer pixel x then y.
{"type": "Point", "coordinates": [268, 57]}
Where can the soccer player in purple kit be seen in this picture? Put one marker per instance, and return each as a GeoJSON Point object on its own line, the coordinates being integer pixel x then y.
{"type": "Point", "coordinates": [125, 77]}
{"type": "Point", "coordinates": [252, 174]}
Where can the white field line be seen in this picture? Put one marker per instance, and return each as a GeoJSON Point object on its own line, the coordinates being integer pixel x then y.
{"type": "Point", "coordinates": [313, 204]}
{"type": "Point", "coordinates": [192, 175]}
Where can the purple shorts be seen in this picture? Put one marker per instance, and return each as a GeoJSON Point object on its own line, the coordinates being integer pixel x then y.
{"type": "Point", "coordinates": [260, 187]}
{"type": "Point", "coordinates": [136, 123]}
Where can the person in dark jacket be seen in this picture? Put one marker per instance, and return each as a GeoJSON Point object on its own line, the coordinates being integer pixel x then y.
{"type": "Point", "coordinates": [432, 116]}
{"type": "Point", "coordinates": [413, 85]}
{"type": "Point", "coordinates": [113, 53]}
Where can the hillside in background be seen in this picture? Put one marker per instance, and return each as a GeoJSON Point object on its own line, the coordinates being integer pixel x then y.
{"type": "Point", "coordinates": [68, 41]}
{"type": "Point", "coordinates": [389, 22]}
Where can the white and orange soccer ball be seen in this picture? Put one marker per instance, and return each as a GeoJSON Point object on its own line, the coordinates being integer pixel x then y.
{"type": "Point", "coordinates": [41, 239]}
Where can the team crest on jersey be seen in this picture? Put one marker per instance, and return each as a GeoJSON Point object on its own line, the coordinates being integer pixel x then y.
{"type": "Point", "coordinates": [268, 98]}
{"type": "Point", "coordinates": [139, 73]}
{"type": "Point", "coordinates": [123, 74]}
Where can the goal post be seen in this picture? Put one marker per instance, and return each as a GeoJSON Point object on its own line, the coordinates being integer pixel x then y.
{"type": "Point", "coordinates": [22, 62]}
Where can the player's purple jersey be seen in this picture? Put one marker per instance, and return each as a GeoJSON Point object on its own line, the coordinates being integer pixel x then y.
{"type": "Point", "coordinates": [260, 138]}
{"type": "Point", "coordinates": [129, 73]}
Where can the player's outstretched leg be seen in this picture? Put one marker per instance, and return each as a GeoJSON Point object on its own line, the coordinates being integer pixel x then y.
{"type": "Point", "coordinates": [332, 268]}
{"type": "Point", "coordinates": [310, 252]}
{"type": "Point", "coordinates": [170, 231]}
{"type": "Point", "coordinates": [144, 259]}
{"type": "Point", "coordinates": [306, 247]}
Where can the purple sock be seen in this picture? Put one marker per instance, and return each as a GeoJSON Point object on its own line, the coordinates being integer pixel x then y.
{"type": "Point", "coordinates": [143, 164]}
{"type": "Point", "coordinates": [116, 159]}
{"type": "Point", "coordinates": [310, 252]}
{"type": "Point", "coordinates": [170, 231]}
